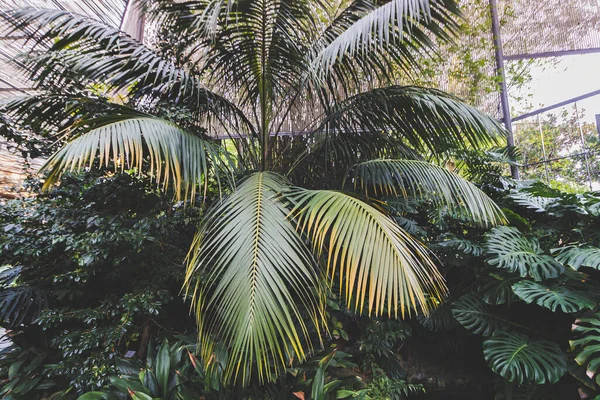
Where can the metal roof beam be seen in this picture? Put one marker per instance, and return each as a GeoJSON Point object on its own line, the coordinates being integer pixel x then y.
{"type": "Point", "coordinates": [528, 56]}
{"type": "Point", "coordinates": [557, 105]}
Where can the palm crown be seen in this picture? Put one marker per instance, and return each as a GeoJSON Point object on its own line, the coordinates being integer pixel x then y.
{"type": "Point", "coordinates": [268, 252]}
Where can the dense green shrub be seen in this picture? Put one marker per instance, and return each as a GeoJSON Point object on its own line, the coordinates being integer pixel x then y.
{"type": "Point", "coordinates": [92, 270]}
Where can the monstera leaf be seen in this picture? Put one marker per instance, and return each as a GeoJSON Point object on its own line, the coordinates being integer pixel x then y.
{"type": "Point", "coordinates": [578, 257]}
{"type": "Point", "coordinates": [476, 316]}
{"type": "Point", "coordinates": [555, 297]}
{"type": "Point", "coordinates": [508, 249]}
{"type": "Point", "coordinates": [497, 289]}
{"type": "Point", "coordinates": [518, 359]}
{"type": "Point", "coordinates": [587, 345]}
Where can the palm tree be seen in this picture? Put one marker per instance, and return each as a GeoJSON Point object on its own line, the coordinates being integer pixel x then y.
{"type": "Point", "coordinates": [251, 71]}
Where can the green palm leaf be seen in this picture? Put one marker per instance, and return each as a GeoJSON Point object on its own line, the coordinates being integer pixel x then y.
{"type": "Point", "coordinates": [587, 345]}
{"type": "Point", "coordinates": [177, 157]}
{"type": "Point", "coordinates": [106, 55]}
{"type": "Point", "coordinates": [369, 39]}
{"type": "Point", "coordinates": [381, 23]}
{"type": "Point", "coordinates": [553, 298]}
{"type": "Point", "coordinates": [578, 257]}
{"type": "Point", "coordinates": [476, 316]}
{"type": "Point", "coordinates": [426, 119]}
{"type": "Point", "coordinates": [508, 249]}
{"type": "Point", "coordinates": [378, 263]}
{"type": "Point", "coordinates": [253, 282]}
{"type": "Point", "coordinates": [422, 180]}
{"type": "Point", "coordinates": [519, 359]}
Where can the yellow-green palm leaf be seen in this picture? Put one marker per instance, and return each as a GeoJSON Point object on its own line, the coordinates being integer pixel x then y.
{"type": "Point", "coordinates": [176, 156]}
{"type": "Point", "coordinates": [378, 263]}
{"type": "Point", "coordinates": [251, 276]}
{"type": "Point", "coordinates": [423, 180]}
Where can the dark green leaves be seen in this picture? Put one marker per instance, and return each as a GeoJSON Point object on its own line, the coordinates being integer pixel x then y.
{"type": "Point", "coordinates": [519, 359]}
{"type": "Point", "coordinates": [556, 297]}
{"type": "Point", "coordinates": [476, 316]}
{"type": "Point", "coordinates": [578, 257]}
{"type": "Point", "coordinates": [509, 249]}
{"type": "Point", "coordinates": [587, 345]}
{"type": "Point", "coordinates": [426, 119]}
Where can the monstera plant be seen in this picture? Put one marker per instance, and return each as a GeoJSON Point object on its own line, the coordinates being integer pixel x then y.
{"type": "Point", "coordinates": [297, 112]}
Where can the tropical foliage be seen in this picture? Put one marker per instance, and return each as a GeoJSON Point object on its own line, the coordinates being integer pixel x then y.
{"type": "Point", "coordinates": [246, 71]}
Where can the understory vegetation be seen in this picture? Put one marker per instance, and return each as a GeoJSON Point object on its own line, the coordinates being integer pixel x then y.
{"type": "Point", "coordinates": [91, 294]}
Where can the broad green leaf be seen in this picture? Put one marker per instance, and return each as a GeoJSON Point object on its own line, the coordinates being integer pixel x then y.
{"type": "Point", "coordinates": [250, 274]}
{"type": "Point", "coordinates": [578, 257]}
{"type": "Point", "coordinates": [379, 265]}
{"type": "Point", "coordinates": [127, 367]}
{"type": "Point", "coordinates": [163, 367]}
{"type": "Point", "coordinates": [14, 369]}
{"type": "Point", "coordinates": [554, 297]}
{"type": "Point", "coordinates": [497, 289]}
{"type": "Point", "coordinates": [318, 383]}
{"type": "Point", "coordinates": [519, 359]}
{"type": "Point", "coordinates": [587, 345]}
{"type": "Point", "coordinates": [125, 385]}
{"type": "Point", "coordinates": [423, 180]}
{"type": "Point", "coordinates": [142, 396]}
{"type": "Point", "coordinates": [508, 249]}
{"type": "Point", "coordinates": [476, 316]}
{"type": "Point", "coordinates": [449, 240]}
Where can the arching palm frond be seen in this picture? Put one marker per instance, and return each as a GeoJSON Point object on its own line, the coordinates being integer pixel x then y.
{"type": "Point", "coordinates": [252, 280]}
{"type": "Point", "coordinates": [426, 119]}
{"type": "Point", "coordinates": [177, 157]}
{"type": "Point", "coordinates": [198, 18]}
{"type": "Point", "coordinates": [365, 39]}
{"type": "Point", "coordinates": [422, 180]}
{"type": "Point", "coordinates": [377, 262]}
{"type": "Point", "coordinates": [78, 47]}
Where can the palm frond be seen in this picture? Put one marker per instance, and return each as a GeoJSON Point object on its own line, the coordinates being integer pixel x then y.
{"type": "Point", "coordinates": [177, 157]}
{"type": "Point", "coordinates": [19, 304]}
{"type": "Point", "coordinates": [368, 40]}
{"type": "Point", "coordinates": [253, 282]}
{"type": "Point", "coordinates": [426, 181]}
{"type": "Point", "coordinates": [378, 263]}
{"type": "Point", "coordinates": [70, 46]}
{"type": "Point", "coordinates": [426, 119]}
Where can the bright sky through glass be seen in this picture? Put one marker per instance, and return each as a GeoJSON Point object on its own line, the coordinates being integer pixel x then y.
{"type": "Point", "coordinates": [558, 80]}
